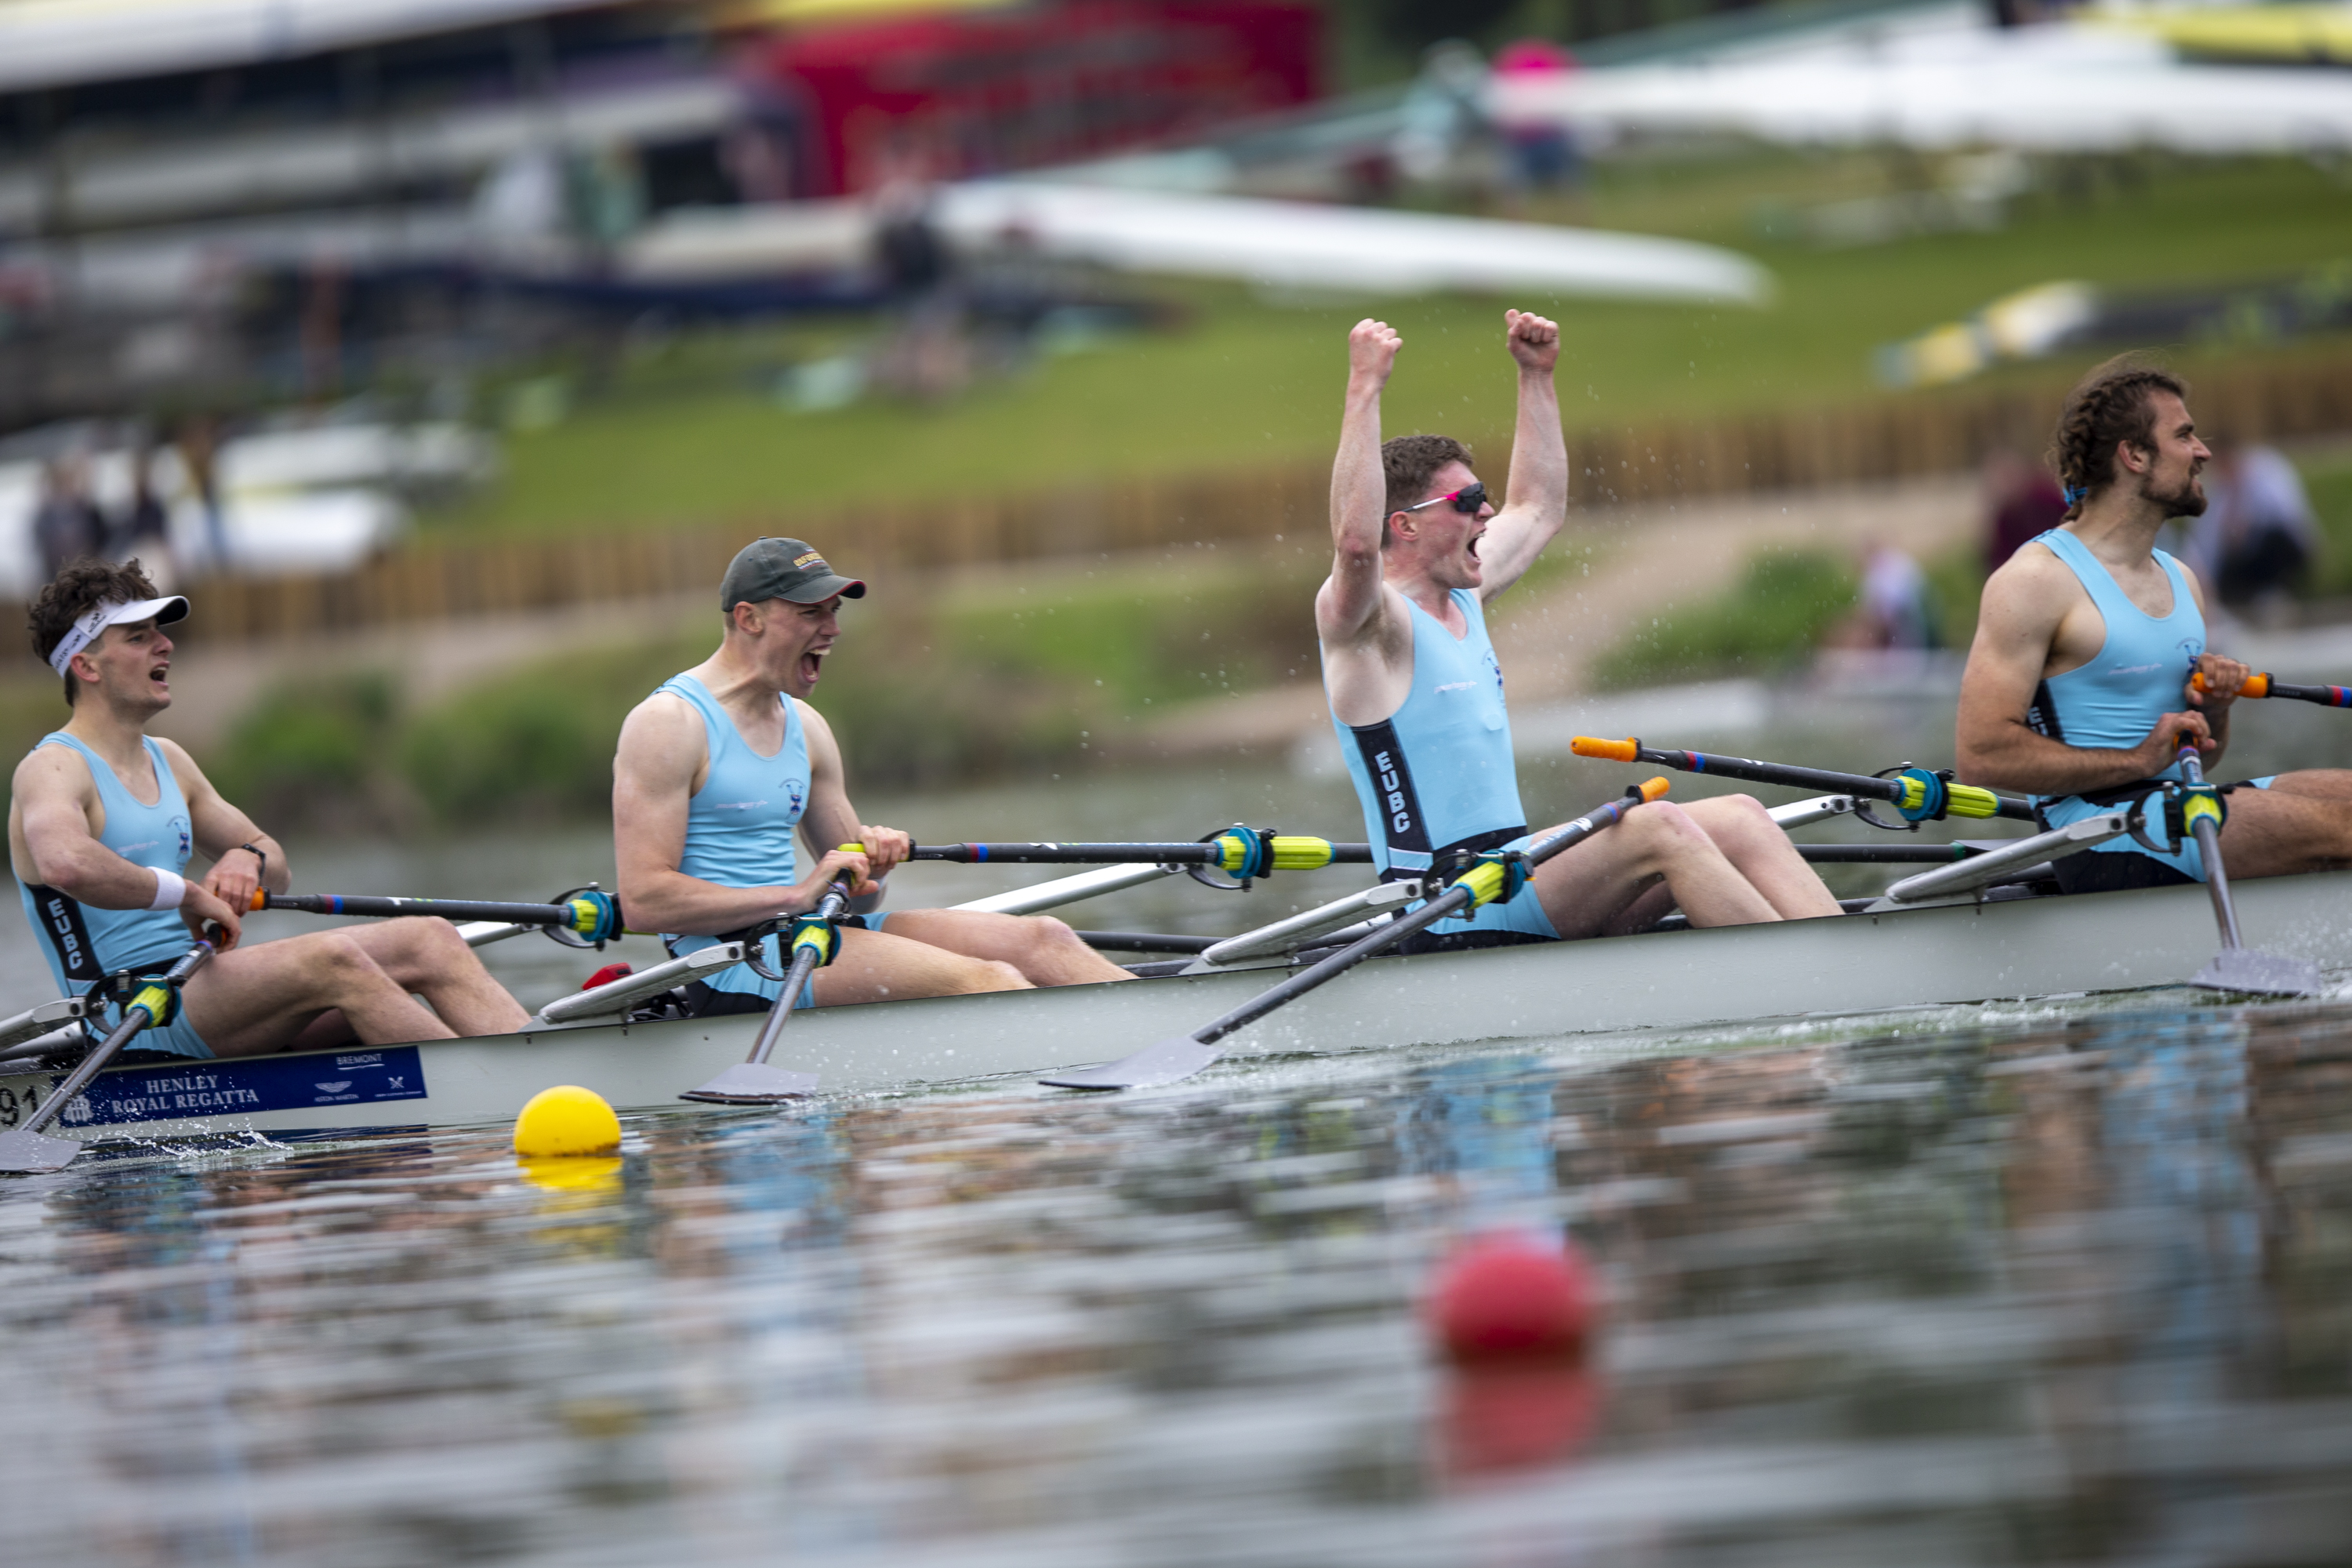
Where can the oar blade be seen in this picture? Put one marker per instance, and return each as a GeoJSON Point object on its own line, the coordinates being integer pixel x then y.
{"type": "Point", "coordinates": [2243, 970]}
{"type": "Point", "coordinates": [753, 1083]}
{"type": "Point", "coordinates": [1166, 1062]}
{"type": "Point", "coordinates": [26, 1154]}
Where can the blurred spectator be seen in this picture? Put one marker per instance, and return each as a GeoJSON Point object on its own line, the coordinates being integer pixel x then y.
{"type": "Point", "coordinates": [2258, 535]}
{"type": "Point", "coordinates": [66, 524]}
{"type": "Point", "coordinates": [1544, 154]}
{"type": "Point", "coordinates": [1447, 138]}
{"type": "Point", "coordinates": [1896, 607]}
{"type": "Point", "coordinates": [143, 531]}
{"type": "Point", "coordinates": [927, 356]}
{"type": "Point", "coordinates": [2022, 501]}
{"type": "Point", "coordinates": [200, 457]}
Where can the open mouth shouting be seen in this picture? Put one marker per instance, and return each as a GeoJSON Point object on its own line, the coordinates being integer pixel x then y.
{"type": "Point", "coordinates": [811, 664]}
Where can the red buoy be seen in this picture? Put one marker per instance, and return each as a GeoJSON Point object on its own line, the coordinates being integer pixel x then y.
{"type": "Point", "coordinates": [1513, 1298]}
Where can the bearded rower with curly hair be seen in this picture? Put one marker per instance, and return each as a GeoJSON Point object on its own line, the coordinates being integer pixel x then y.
{"type": "Point", "coordinates": [2077, 685]}
{"type": "Point", "coordinates": [1416, 692]}
{"type": "Point", "coordinates": [104, 817]}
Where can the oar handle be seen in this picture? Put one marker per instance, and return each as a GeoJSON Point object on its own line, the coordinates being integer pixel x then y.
{"type": "Point", "coordinates": [2265, 685]}
{"type": "Point", "coordinates": [155, 1000]}
{"type": "Point", "coordinates": [595, 916]}
{"type": "Point", "coordinates": [1236, 853]}
{"type": "Point", "coordinates": [1918, 794]}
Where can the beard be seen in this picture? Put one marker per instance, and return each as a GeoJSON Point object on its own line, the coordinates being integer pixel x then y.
{"type": "Point", "coordinates": [2185, 499]}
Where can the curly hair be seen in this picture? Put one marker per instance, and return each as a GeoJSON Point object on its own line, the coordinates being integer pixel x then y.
{"type": "Point", "coordinates": [1409, 463]}
{"type": "Point", "coordinates": [82, 583]}
{"type": "Point", "coordinates": [2113, 405]}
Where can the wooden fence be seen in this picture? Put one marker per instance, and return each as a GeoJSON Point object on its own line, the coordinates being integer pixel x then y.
{"type": "Point", "coordinates": [1890, 438]}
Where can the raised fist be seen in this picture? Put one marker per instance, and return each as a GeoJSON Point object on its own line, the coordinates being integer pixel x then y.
{"type": "Point", "coordinates": [1533, 340]}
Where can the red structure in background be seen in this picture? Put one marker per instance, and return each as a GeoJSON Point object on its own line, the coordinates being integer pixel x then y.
{"type": "Point", "coordinates": [956, 95]}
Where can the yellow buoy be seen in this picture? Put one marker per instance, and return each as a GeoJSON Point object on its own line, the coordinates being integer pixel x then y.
{"type": "Point", "coordinates": [566, 1119]}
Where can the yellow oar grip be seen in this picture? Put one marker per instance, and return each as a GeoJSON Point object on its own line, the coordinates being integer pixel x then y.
{"type": "Point", "coordinates": [1653, 788]}
{"type": "Point", "coordinates": [2197, 806]}
{"type": "Point", "coordinates": [1607, 751]}
{"type": "Point", "coordinates": [1485, 881]}
{"type": "Point", "coordinates": [1967, 800]}
{"type": "Point", "coordinates": [851, 848]}
{"type": "Point", "coordinates": [1300, 853]}
{"type": "Point", "coordinates": [156, 999]}
{"type": "Point", "coordinates": [585, 917]}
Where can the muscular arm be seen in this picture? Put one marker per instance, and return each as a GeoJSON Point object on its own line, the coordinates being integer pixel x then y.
{"type": "Point", "coordinates": [1359, 618]}
{"type": "Point", "coordinates": [1538, 490]}
{"type": "Point", "coordinates": [662, 748]}
{"type": "Point", "coordinates": [2017, 624]}
{"type": "Point", "coordinates": [219, 829]}
{"type": "Point", "coordinates": [53, 800]}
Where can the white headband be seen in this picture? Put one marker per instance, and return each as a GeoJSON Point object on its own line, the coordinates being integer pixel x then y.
{"type": "Point", "coordinates": [90, 623]}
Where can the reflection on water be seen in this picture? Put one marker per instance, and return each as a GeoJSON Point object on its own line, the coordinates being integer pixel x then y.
{"type": "Point", "coordinates": [2066, 1290]}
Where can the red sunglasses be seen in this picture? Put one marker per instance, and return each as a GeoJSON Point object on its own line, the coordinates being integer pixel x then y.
{"type": "Point", "coordinates": [1466, 501]}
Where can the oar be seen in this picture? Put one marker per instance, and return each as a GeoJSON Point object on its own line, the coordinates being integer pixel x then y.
{"type": "Point", "coordinates": [752, 1081]}
{"type": "Point", "coordinates": [27, 1149]}
{"type": "Point", "coordinates": [2266, 685]}
{"type": "Point", "coordinates": [590, 915]}
{"type": "Point", "coordinates": [2236, 967]}
{"type": "Point", "coordinates": [1172, 1060]}
{"type": "Point", "coordinates": [1918, 794]}
{"type": "Point", "coordinates": [1240, 852]}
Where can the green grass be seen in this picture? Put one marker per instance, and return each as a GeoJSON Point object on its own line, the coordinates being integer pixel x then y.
{"type": "Point", "coordinates": [2328, 481]}
{"type": "Point", "coordinates": [685, 433]}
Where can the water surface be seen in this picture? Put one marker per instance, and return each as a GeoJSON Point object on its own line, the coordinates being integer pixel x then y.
{"type": "Point", "coordinates": [2054, 1285]}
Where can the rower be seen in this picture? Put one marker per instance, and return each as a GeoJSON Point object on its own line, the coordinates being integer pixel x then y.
{"type": "Point", "coordinates": [2077, 685]}
{"type": "Point", "coordinates": [101, 828]}
{"type": "Point", "coordinates": [1416, 692]}
{"type": "Point", "coordinates": [722, 763]}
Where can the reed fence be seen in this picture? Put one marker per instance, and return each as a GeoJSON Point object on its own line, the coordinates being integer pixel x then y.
{"type": "Point", "coordinates": [1889, 438]}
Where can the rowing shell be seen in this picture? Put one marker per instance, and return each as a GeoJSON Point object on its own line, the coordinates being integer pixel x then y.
{"type": "Point", "coordinates": [1859, 963]}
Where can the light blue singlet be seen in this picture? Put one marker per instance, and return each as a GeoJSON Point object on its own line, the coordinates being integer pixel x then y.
{"type": "Point", "coordinates": [2140, 674]}
{"type": "Point", "coordinates": [85, 944]}
{"type": "Point", "coordinates": [1438, 773]}
{"type": "Point", "coordinates": [740, 825]}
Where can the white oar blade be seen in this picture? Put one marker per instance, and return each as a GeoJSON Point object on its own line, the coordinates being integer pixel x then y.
{"type": "Point", "coordinates": [29, 1153]}
{"type": "Point", "coordinates": [2242, 968]}
{"type": "Point", "coordinates": [753, 1083]}
{"type": "Point", "coordinates": [1166, 1062]}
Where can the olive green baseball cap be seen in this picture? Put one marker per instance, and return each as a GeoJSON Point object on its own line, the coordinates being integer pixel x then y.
{"type": "Point", "coordinates": [782, 569]}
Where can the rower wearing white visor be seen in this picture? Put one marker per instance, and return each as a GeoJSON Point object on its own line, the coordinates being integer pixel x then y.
{"type": "Point", "coordinates": [720, 767]}
{"type": "Point", "coordinates": [1416, 690]}
{"type": "Point", "coordinates": [2078, 686]}
{"type": "Point", "coordinates": [101, 826]}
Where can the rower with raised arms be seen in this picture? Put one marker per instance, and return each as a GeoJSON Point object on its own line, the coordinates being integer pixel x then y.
{"type": "Point", "coordinates": [2078, 687]}
{"type": "Point", "coordinates": [101, 828]}
{"type": "Point", "coordinates": [1416, 692]}
{"type": "Point", "coordinates": [719, 767]}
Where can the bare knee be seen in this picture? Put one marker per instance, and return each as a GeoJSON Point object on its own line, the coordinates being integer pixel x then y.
{"type": "Point", "coordinates": [993, 975]}
{"type": "Point", "coordinates": [339, 966]}
{"type": "Point", "coordinates": [1665, 830]}
{"type": "Point", "coordinates": [1733, 818]}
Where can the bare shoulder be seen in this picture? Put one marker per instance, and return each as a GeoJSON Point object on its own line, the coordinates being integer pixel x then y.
{"type": "Point", "coordinates": [663, 729]}
{"type": "Point", "coordinates": [52, 771]}
{"type": "Point", "coordinates": [183, 766]}
{"type": "Point", "coordinates": [2031, 585]}
{"type": "Point", "coordinates": [812, 721]}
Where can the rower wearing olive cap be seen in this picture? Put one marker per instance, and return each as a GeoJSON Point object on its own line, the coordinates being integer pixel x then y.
{"type": "Point", "coordinates": [103, 820]}
{"type": "Point", "coordinates": [720, 767]}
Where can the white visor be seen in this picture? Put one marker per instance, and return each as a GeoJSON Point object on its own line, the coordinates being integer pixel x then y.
{"type": "Point", "coordinates": [113, 613]}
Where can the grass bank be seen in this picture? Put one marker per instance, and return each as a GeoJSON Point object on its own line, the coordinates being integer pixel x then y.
{"type": "Point", "coordinates": [687, 432]}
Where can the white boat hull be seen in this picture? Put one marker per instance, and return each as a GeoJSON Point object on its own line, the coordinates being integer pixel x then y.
{"type": "Point", "coordinates": [1859, 963]}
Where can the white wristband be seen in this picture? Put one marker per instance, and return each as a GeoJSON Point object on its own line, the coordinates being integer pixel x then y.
{"type": "Point", "coordinates": [170, 889]}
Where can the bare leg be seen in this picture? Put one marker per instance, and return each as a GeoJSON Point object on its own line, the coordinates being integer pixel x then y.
{"type": "Point", "coordinates": [1042, 949]}
{"type": "Point", "coordinates": [430, 957]}
{"type": "Point", "coordinates": [1759, 849]}
{"type": "Point", "coordinates": [2302, 823]}
{"type": "Point", "coordinates": [1587, 889]}
{"type": "Point", "coordinates": [261, 998]}
{"type": "Point", "coordinates": [876, 966]}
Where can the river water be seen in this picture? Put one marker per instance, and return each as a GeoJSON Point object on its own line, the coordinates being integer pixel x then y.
{"type": "Point", "coordinates": [2061, 1284]}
